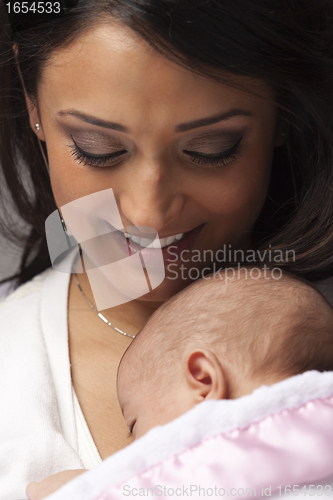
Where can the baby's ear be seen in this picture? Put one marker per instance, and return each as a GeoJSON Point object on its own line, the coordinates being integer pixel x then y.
{"type": "Point", "coordinates": [205, 376]}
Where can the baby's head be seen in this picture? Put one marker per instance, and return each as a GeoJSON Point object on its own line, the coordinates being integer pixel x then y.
{"type": "Point", "coordinates": [222, 340]}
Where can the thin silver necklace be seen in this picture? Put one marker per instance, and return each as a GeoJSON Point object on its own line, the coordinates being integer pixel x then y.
{"type": "Point", "coordinates": [103, 318]}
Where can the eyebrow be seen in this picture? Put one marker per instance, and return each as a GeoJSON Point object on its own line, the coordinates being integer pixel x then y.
{"type": "Point", "coordinates": [213, 119]}
{"type": "Point", "coordinates": [94, 121]}
{"type": "Point", "coordinates": [184, 127]}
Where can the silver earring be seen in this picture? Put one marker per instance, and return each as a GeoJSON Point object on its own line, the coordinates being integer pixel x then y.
{"type": "Point", "coordinates": [37, 127]}
{"type": "Point", "coordinates": [64, 226]}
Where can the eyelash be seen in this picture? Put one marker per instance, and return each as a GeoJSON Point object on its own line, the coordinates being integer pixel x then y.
{"type": "Point", "coordinates": [216, 161]}
{"type": "Point", "coordinates": [94, 161]}
{"type": "Point", "coordinates": [130, 434]}
{"type": "Point", "coordinates": [101, 161]}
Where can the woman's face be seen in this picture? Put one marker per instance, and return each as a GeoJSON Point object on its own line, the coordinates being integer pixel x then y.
{"type": "Point", "coordinates": [184, 155]}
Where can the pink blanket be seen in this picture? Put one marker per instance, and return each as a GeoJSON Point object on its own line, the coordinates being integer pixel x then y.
{"type": "Point", "coordinates": [277, 441]}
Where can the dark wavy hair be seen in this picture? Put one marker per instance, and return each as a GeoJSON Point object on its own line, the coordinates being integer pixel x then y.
{"type": "Point", "coordinates": [288, 44]}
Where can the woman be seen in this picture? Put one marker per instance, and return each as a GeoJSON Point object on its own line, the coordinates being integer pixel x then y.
{"type": "Point", "coordinates": [210, 121]}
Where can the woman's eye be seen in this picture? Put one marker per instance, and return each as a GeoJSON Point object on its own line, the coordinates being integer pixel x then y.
{"type": "Point", "coordinates": [215, 160]}
{"type": "Point", "coordinates": [94, 160]}
{"type": "Point", "coordinates": [203, 159]}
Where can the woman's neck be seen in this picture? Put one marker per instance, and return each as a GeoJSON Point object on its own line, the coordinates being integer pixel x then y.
{"type": "Point", "coordinates": [129, 317]}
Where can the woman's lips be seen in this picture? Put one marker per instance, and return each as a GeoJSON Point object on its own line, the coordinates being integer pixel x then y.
{"type": "Point", "coordinates": [152, 256]}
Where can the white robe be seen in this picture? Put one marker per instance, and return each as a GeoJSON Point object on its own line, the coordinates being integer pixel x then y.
{"type": "Point", "coordinates": [42, 429]}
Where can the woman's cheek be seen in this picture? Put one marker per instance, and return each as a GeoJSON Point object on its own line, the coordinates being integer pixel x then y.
{"type": "Point", "coordinates": [70, 180]}
{"type": "Point", "coordinates": [242, 191]}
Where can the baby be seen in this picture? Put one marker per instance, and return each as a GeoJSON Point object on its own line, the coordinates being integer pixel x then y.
{"type": "Point", "coordinates": [217, 340]}
{"type": "Point", "coordinates": [222, 340]}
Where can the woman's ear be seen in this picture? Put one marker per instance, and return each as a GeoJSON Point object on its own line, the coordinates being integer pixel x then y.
{"type": "Point", "coordinates": [33, 117]}
{"type": "Point", "coordinates": [205, 376]}
{"type": "Point", "coordinates": [32, 108]}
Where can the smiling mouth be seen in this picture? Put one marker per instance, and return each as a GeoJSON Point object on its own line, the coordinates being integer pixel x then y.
{"type": "Point", "coordinates": [157, 242]}
{"type": "Point", "coordinates": [151, 247]}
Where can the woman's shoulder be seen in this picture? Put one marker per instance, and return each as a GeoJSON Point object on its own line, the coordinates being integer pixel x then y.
{"type": "Point", "coordinates": [24, 291]}
{"type": "Point", "coordinates": [29, 314]}
{"type": "Point", "coordinates": [35, 307]}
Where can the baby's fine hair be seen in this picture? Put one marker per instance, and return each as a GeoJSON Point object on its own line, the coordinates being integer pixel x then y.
{"type": "Point", "coordinates": [265, 326]}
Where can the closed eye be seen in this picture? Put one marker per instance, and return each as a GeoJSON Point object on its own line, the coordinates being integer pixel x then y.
{"type": "Point", "coordinates": [215, 160]}
{"type": "Point", "coordinates": [130, 434]}
{"type": "Point", "coordinates": [94, 160]}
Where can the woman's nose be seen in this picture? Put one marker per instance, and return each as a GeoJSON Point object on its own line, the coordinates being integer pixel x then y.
{"type": "Point", "coordinates": [151, 197]}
